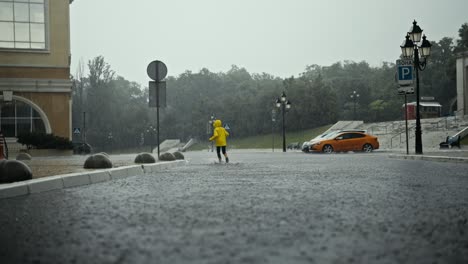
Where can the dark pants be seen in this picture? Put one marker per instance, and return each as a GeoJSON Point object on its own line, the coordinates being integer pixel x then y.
{"type": "Point", "coordinates": [218, 151]}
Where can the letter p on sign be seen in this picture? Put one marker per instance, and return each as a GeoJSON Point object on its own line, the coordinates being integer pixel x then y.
{"type": "Point", "coordinates": [405, 74]}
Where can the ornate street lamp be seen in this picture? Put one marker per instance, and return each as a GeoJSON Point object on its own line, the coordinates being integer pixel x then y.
{"type": "Point", "coordinates": [151, 132]}
{"type": "Point", "coordinates": [210, 130]}
{"type": "Point", "coordinates": [354, 96]}
{"type": "Point", "coordinates": [110, 139]}
{"type": "Point", "coordinates": [273, 121]}
{"type": "Point", "coordinates": [284, 105]}
{"type": "Point", "coordinates": [410, 50]}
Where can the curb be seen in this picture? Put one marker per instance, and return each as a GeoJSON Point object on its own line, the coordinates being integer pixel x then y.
{"type": "Point", "coordinates": [45, 184]}
{"type": "Point", "coordinates": [430, 158]}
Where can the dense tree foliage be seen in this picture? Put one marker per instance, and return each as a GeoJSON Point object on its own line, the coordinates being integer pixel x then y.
{"type": "Point", "coordinates": [117, 112]}
{"type": "Point", "coordinates": [113, 109]}
{"type": "Point", "coordinates": [462, 43]}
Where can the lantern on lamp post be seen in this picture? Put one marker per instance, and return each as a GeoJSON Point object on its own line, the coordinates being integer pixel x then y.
{"type": "Point", "coordinates": [354, 96]}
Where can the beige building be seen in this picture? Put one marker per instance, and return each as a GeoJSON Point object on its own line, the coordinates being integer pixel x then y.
{"type": "Point", "coordinates": [35, 85]}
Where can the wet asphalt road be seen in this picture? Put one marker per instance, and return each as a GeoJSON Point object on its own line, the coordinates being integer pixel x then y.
{"type": "Point", "coordinates": [261, 208]}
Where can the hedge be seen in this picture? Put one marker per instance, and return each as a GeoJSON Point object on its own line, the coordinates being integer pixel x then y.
{"type": "Point", "coordinates": [44, 141]}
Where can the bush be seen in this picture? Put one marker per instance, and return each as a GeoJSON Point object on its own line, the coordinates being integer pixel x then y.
{"type": "Point", "coordinates": [44, 141]}
{"type": "Point", "coordinates": [82, 148]}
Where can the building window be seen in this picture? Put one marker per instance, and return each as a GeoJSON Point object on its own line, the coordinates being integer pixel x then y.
{"type": "Point", "coordinates": [23, 24]}
{"type": "Point", "coordinates": [18, 117]}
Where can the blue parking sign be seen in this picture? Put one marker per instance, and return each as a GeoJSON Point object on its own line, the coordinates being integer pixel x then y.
{"type": "Point", "coordinates": [405, 72]}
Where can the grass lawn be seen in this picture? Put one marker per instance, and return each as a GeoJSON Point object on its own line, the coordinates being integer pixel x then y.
{"type": "Point", "coordinates": [267, 140]}
{"type": "Point", "coordinates": [464, 141]}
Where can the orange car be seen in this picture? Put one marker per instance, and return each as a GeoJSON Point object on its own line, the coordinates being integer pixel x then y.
{"type": "Point", "coordinates": [345, 141]}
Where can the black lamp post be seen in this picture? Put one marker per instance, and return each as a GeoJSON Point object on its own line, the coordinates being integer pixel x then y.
{"type": "Point", "coordinates": [110, 139]}
{"type": "Point", "coordinates": [411, 50]}
{"type": "Point", "coordinates": [273, 121]}
{"type": "Point", "coordinates": [151, 132]}
{"type": "Point", "coordinates": [210, 129]}
{"type": "Point", "coordinates": [354, 96]}
{"type": "Point", "coordinates": [284, 105]}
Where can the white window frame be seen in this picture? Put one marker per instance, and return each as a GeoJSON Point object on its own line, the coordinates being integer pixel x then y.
{"type": "Point", "coordinates": [46, 49]}
{"type": "Point", "coordinates": [42, 114]}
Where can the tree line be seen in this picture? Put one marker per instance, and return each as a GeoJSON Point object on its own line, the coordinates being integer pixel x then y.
{"type": "Point", "coordinates": [113, 112]}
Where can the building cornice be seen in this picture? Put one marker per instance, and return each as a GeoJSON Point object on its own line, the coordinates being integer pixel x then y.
{"type": "Point", "coordinates": [36, 85]}
{"type": "Point", "coordinates": [463, 54]}
{"type": "Point", "coordinates": [33, 66]}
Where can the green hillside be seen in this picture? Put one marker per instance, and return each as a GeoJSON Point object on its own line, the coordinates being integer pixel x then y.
{"type": "Point", "coordinates": [464, 141]}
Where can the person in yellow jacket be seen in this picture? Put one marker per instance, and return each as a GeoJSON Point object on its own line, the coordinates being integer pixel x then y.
{"type": "Point", "coordinates": [219, 136]}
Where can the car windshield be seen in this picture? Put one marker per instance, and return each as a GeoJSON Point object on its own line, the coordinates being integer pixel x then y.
{"type": "Point", "coordinates": [319, 136]}
{"type": "Point", "coordinates": [322, 136]}
{"type": "Point", "coordinates": [331, 134]}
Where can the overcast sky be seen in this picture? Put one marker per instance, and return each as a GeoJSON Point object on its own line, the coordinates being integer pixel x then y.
{"type": "Point", "coordinates": [279, 37]}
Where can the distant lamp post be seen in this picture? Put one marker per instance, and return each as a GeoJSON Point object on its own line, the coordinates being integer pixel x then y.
{"type": "Point", "coordinates": [151, 131]}
{"type": "Point", "coordinates": [273, 121]}
{"type": "Point", "coordinates": [354, 96]}
{"type": "Point", "coordinates": [419, 55]}
{"type": "Point", "coordinates": [209, 130]}
{"type": "Point", "coordinates": [283, 104]}
{"type": "Point", "coordinates": [110, 139]}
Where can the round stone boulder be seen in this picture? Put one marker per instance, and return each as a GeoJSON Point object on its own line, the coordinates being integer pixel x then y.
{"type": "Point", "coordinates": [97, 161]}
{"type": "Point", "coordinates": [23, 156]}
{"type": "Point", "coordinates": [145, 157]}
{"type": "Point", "coordinates": [178, 155]}
{"type": "Point", "coordinates": [167, 157]}
{"type": "Point", "coordinates": [13, 171]}
{"type": "Point", "coordinates": [104, 153]}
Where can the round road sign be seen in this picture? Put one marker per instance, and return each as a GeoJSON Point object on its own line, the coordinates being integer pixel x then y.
{"type": "Point", "coordinates": [157, 70]}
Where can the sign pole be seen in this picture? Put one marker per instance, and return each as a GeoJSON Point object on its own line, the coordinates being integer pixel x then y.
{"type": "Point", "coordinates": [157, 105]}
{"type": "Point", "coordinates": [157, 71]}
{"type": "Point", "coordinates": [405, 79]}
{"type": "Point", "coordinates": [406, 125]}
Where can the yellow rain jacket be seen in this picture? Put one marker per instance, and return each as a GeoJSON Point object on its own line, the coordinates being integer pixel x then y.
{"type": "Point", "coordinates": [219, 134]}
